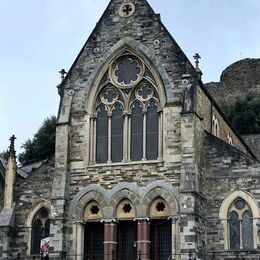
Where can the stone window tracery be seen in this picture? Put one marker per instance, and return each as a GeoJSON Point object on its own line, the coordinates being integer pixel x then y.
{"type": "Point", "coordinates": [40, 229]}
{"type": "Point", "coordinates": [125, 210]}
{"type": "Point", "coordinates": [126, 124]}
{"type": "Point", "coordinates": [240, 220]}
{"type": "Point", "coordinates": [159, 209]}
{"type": "Point", "coordinates": [93, 211]}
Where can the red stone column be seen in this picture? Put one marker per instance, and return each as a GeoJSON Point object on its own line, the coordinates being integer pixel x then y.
{"type": "Point", "coordinates": [143, 239]}
{"type": "Point", "coordinates": [110, 239]}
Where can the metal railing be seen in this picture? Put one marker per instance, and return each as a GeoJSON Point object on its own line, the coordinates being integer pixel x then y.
{"type": "Point", "coordinates": [208, 255]}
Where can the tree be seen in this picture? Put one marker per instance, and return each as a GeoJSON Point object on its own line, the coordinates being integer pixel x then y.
{"type": "Point", "coordinates": [42, 146]}
{"type": "Point", "coordinates": [244, 115]}
{"type": "Point", "coordinates": [4, 154]}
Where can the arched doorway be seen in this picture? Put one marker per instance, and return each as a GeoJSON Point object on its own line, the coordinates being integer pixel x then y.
{"type": "Point", "coordinates": [126, 231]}
{"type": "Point", "coordinates": [160, 230]}
{"type": "Point", "coordinates": [93, 232]}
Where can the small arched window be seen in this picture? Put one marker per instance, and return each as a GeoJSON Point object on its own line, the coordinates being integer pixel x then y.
{"type": "Point", "coordinates": [240, 221]}
{"type": "Point", "coordinates": [40, 229]}
{"type": "Point", "coordinates": [230, 139]}
{"type": "Point", "coordinates": [215, 126]}
{"type": "Point", "coordinates": [127, 114]}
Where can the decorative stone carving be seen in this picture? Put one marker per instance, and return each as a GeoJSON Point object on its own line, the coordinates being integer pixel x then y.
{"type": "Point", "coordinates": [126, 71]}
{"type": "Point", "coordinates": [126, 9]}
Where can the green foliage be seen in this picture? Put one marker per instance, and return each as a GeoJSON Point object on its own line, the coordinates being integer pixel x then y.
{"type": "Point", "coordinates": [244, 115]}
{"type": "Point", "coordinates": [4, 154]}
{"type": "Point", "coordinates": [42, 146]}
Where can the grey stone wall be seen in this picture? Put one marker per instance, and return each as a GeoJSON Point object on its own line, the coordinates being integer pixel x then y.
{"type": "Point", "coordinates": [1, 195]}
{"type": "Point", "coordinates": [254, 143]}
{"type": "Point", "coordinates": [28, 193]}
{"type": "Point", "coordinates": [226, 169]}
{"type": "Point", "coordinates": [205, 109]}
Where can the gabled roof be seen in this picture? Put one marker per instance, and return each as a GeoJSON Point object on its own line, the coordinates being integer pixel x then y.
{"type": "Point", "coordinates": [2, 169]}
{"type": "Point", "coordinates": [23, 171]}
{"type": "Point", "coordinates": [109, 23]}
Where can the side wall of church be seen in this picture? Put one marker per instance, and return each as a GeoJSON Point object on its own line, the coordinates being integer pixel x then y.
{"type": "Point", "coordinates": [206, 109]}
{"type": "Point", "coordinates": [29, 193]}
{"type": "Point", "coordinates": [227, 170]}
{"type": "Point", "coordinates": [1, 195]}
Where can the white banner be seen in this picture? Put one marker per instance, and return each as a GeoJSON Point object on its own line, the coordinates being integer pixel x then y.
{"type": "Point", "coordinates": [45, 243]}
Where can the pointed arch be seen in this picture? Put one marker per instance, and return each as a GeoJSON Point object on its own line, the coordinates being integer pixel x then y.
{"type": "Point", "coordinates": [91, 195]}
{"type": "Point", "coordinates": [137, 49]}
{"type": "Point", "coordinates": [121, 195]}
{"type": "Point", "coordinates": [224, 214]}
{"type": "Point", "coordinates": [44, 204]}
{"type": "Point", "coordinates": [127, 75]}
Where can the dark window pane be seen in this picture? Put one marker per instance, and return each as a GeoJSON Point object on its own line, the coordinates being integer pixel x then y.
{"type": "Point", "coordinates": [145, 91]}
{"type": "Point", "coordinates": [240, 203]}
{"type": "Point", "coordinates": [161, 239]}
{"type": "Point", "coordinates": [127, 71]}
{"type": "Point", "coordinates": [47, 228]}
{"type": "Point", "coordinates": [117, 134]}
{"type": "Point", "coordinates": [234, 230]}
{"type": "Point", "coordinates": [94, 238]}
{"type": "Point", "coordinates": [102, 135]}
{"type": "Point", "coordinates": [247, 230]}
{"type": "Point", "coordinates": [110, 95]}
{"type": "Point", "coordinates": [43, 213]}
{"type": "Point", "coordinates": [126, 240]}
{"type": "Point", "coordinates": [137, 132]}
{"type": "Point", "coordinates": [40, 229]}
{"type": "Point", "coordinates": [152, 131]}
{"type": "Point", "coordinates": [36, 236]}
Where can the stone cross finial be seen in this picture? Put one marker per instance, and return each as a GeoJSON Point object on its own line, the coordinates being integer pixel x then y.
{"type": "Point", "coordinates": [11, 147]}
{"type": "Point", "coordinates": [197, 58]}
{"type": "Point", "coordinates": [63, 73]}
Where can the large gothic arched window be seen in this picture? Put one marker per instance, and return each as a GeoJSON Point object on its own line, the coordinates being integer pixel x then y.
{"type": "Point", "coordinates": [240, 225]}
{"type": "Point", "coordinates": [126, 125]}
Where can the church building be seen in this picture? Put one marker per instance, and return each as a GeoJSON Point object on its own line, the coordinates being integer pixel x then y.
{"type": "Point", "coordinates": [147, 166]}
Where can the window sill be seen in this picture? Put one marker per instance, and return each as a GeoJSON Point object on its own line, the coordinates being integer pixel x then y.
{"type": "Point", "coordinates": [97, 165]}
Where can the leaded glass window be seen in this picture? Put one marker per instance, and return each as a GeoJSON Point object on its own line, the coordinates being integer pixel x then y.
{"type": "Point", "coordinates": [137, 132]}
{"type": "Point", "coordinates": [94, 238]}
{"type": "Point", "coordinates": [234, 227]}
{"type": "Point", "coordinates": [127, 71]}
{"type": "Point", "coordinates": [40, 229]}
{"type": "Point", "coordinates": [240, 225]}
{"type": "Point", "coordinates": [160, 236]}
{"type": "Point", "coordinates": [247, 230]}
{"type": "Point", "coordinates": [152, 131]}
{"type": "Point", "coordinates": [117, 134]}
{"type": "Point", "coordinates": [127, 237]}
{"type": "Point", "coordinates": [125, 124]}
{"type": "Point", "coordinates": [102, 135]}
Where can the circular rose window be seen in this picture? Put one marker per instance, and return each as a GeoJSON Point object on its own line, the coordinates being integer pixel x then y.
{"type": "Point", "coordinates": [127, 71]}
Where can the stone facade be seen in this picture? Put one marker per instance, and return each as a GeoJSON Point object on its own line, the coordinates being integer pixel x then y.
{"type": "Point", "coordinates": [179, 193]}
{"type": "Point", "coordinates": [254, 142]}
{"type": "Point", "coordinates": [2, 183]}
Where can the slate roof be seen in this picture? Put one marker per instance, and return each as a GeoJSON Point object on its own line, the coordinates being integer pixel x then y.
{"type": "Point", "coordinates": [22, 171]}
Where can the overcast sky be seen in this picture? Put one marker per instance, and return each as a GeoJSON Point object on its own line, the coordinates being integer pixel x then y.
{"type": "Point", "coordinates": [39, 37]}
